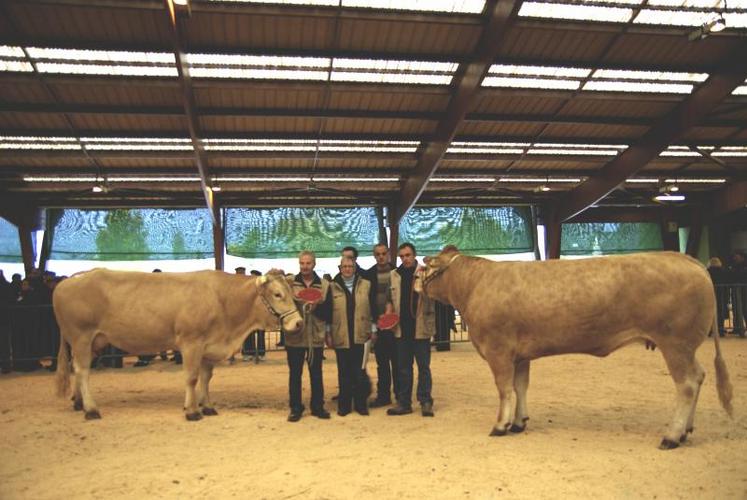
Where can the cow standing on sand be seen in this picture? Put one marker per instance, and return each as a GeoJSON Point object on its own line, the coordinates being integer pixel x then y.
{"type": "Point", "coordinates": [205, 314]}
{"type": "Point", "coordinates": [519, 311]}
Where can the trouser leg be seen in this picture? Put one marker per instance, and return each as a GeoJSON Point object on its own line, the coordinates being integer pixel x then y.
{"type": "Point", "coordinates": [359, 378]}
{"type": "Point", "coordinates": [295, 357]}
{"type": "Point", "coordinates": [384, 355]}
{"type": "Point", "coordinates": [404, 360]}
{"type": "Point", "coordinates": [317, 382]}
{"type": "Point", "coordinates": [345, 398]}
{"type": "Point", "coordinates": [422, 350]}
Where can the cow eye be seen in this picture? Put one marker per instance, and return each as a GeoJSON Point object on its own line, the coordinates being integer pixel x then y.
{"type": "Point", "coordinates": [278, 295]}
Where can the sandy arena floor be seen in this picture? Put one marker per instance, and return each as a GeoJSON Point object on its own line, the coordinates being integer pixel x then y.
{"type": "Point", "coordinates": [594, 430]}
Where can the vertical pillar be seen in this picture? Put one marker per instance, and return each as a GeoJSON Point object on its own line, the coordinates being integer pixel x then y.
{"type": "Point", "coordinates": [696, 230]}
{"type": "Point", "coordinates": [393, 234]}
{"type": "Point", "coordinates": [27, 247]}
{"type": "Point", "coordinates": [218, 236]}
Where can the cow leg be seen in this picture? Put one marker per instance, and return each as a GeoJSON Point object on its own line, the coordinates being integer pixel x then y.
{"type": "Point", "coordinates": [521, 384]}
{"type": "Point", "coordinates": [502, 367]}
{"type": "Point", "coordinates": [191, 359]}
{"type": "Point", "coordinates": [688, 376]}
{"type": "Point", "coordinates": [691, 418]}
{"type": "Point", "coordinates": [77, 397]}
{"type": "Point", "coordinates": [82, 363]}
{"type": "Point", "coordinates": [206, 373]}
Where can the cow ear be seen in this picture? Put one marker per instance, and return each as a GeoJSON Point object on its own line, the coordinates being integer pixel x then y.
{"type": "Point", "coordinates": [261, 280]}
{"type": "Point", "coordinates": [290, 278]}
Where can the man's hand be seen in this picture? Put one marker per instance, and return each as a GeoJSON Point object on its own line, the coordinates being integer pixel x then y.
{"type": "Point", "coordinates": [328, 340]}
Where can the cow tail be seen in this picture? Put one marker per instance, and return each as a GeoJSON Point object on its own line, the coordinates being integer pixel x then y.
{"type": "Point", "coordinates": [723, 385]}
{"type": "Point", "coordinates": [62, 376]}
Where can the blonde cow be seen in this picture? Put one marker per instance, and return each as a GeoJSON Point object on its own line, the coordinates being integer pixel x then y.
{"type": "Point", "coordinates": [204, 314]}
{"type": "Point", "coordinates": [519, 311]}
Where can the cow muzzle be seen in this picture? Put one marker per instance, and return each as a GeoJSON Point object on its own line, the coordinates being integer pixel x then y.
{"type": "Point", "coordinates": [292, 322]}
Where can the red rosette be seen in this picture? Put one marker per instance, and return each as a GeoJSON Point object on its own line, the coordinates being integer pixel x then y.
{"type": "Point", "coordinates": [309, 295]}
{"type": "Point", "coordinates": [387, 321]}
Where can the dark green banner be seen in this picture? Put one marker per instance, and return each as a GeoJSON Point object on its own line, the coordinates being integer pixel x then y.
{"type": "Point", "coordinates": [474, 230]}
{"type": "Point", "coordinates": [131, 234]}
{"type": "Point", "coordinates": [610, 238]}
{"type": "Point", "coordinates": [283, 232]}
{"type": "Point", "coordinates": [10, 244]}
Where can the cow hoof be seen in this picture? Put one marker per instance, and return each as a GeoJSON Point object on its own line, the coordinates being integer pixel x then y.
{"type": "Point", "coordinates": [517, 428]}
{"type": "Point", "coordinates": [209, 412]}
{"type": "Point", "coordinates": [668, 444]}
{"type": "Point", "coordinates": [93, 415]}
{"type": "Point", "coordinates": [78, 405]}
{"type": "Point", "coordinates": [193, 417]}
{"type": "Point", "coordinates": [498, 432]}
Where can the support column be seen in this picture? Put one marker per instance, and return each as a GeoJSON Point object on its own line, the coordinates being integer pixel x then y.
{"type": "Point", "coordinates": [27, 248]}
{"type": "Point", "coordinates": [670, 234]}
{"type": "Point", "coordinates": [553, 229]}
{"type": "Point", "coordinates": [696, 230]}
{"type": "Point", "coordinates": [393, 217]}
{"type": "Point", "coordinates": [219, 237]}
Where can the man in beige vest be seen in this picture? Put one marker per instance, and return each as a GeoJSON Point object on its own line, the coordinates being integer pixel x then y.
{"type": "Point", "coordinates": [417, 324]}
{"type": "Point", "coordinates": [350, 326]}
{"type": "Point", "coordinates": [308, 343]}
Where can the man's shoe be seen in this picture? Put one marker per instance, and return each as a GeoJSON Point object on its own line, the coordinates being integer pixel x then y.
{"type": "Point", "coordinates": [343, 411]}
{"type": "Point", "coordinates": [295, 416]}
{"type": "Point", "coordinates": [427, 409]}
{"type": "Point", "coordinates": [321, 413]}
{"type": "Point", "coordinates": [362, 411]}
{"type": "Point", "coordinates": [399, 410]}
{"type": "Point", "coordinates": [378, 403]}
{"type": "Point", "coordinates": [141, 363]}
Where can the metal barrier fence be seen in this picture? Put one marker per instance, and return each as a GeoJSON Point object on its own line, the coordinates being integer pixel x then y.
{"type": "Point", "coordinates": [29, 334]}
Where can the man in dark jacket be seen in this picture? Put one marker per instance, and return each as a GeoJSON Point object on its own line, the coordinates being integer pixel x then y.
{"type": "Point", "coordinates": [386, 356]}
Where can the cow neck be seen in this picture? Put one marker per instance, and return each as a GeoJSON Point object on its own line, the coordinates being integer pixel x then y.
{"type": "Point", "coordinates": [455, 290]}
{"type": "Point", "coordinates": [265, 320]}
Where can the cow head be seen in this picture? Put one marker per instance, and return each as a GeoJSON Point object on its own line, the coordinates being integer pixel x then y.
{"type": "Point", "coordinates": [433, 268]}
{"type": "Point", "coordinates": [276, 293]}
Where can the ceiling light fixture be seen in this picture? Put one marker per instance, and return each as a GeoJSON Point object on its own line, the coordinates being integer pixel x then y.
{"type": "Point", "coordinates": [714, 25]}
{"type": "Point", "coordinates": [670, 197]}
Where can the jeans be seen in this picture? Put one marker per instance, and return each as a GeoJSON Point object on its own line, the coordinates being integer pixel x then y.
{"type": "Point", "coordinates": [296, 357]}
{"type": "Point", "coordinates": [420, 350]}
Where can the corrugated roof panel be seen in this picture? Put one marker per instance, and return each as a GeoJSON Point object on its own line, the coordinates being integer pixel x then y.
{"type": "Point", "coordinates": [616, 108]}
{"type": "Point", "coordinates": [389, 100]}
{"type": "Point", "coordinates": [378, 126]}
{"type": "Point", "coordinates": [122, 94]}
{"type": "Point", "coordinates": [33, 93]}
{"type": "Point", "coordinates": [551, 44]}
{"type": "Point", "coordinates": [264, 31]}
{"type": "Point", "coordinates": [579, 131]}
{"type": "Point", "coordinates": [130, 122]}
{"type": "Point", "coordinates": [696, 134]}
{"type": "Point", "coordinates": [559, 165]}
{"type": "Point", "coordinates": [382, 163]}
{"type": "Point", "coordinates": [670, 51]}
{"type": "Point", "coordinates": [260, 163]}
{"type": "Point", "coordinates": [258, 124]}
{"type": "Point", "coordinates": [497, 129]}
{"type": "Point", "coordinates": [40, 161]}
{"type": "Point", "coordinates": [157, 164]}
{"type": "Point", "coordinates": [506, 104]}
{"type": "Point", "coordinates": [409, 37]}
{"type": "Point", "coordinates": [12, 120]}
{"type": "Point", "coordinates": [259, 97]}
{"type": "Point", "coordinates": [451, 164]}
{"type": "Point", "coordinates": [42, 21]}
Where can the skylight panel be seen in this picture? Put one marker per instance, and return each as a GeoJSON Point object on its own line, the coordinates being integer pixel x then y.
{"type": "Point", "coordinates": [258, 61]}
{"type": "Point", "coordinates": [258, 74]}
{"type": "Point", "coordinates": [457, 6]}
{"type": "Point", "coordinates": [75, 55]}
{"type": "Point", "coordinates": [135, 139]}
{"type": "Point", "coordinates": [12, 58]}
{"type": "Point", "coordinates": [686, 180]}
{"type": "Point", "coordinates": [393, 65]}
{"type": "Point", "coordinates": [94, 69]}
{"type": "Point", "coordinates": [737, 151]}
{"type": "Point", "coordinates": [741, 90]}
{"type": "Point", "coordinates": [11, 51]}
{"type": "Point", "coordinates": [650, 75]}
{"type": "Point", "coordinates": [392, 71]}
{"type": "Point", "coordinates": [406, 78]}
{"type": "Point", "coordinates": [301, 145]}
{"type": "Point", "coordinates": [56, 178]}
{"type": "Point", "coordinates": [462, 179]}
{"type": "Point", "coordinates": [356, 179]}
{"type": "Point", "coordinates": [460, 147]}
{"type": "Point", "coordinates": [558, 71]}
{"type": "Point", "coordinates": [136, 144]}
{"type": "Point", "coordinates": [560, 180]}
{"type": "Point", "coordinates": [38, 143]}
{"type": "Point", "coordinates": [577, 12]}
{"type": "Point", "coordinates": [642, 87]}
{"type": "Point", "coordinates": [530, 83]}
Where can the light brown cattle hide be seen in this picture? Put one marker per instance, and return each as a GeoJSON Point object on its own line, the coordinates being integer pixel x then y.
{"type": "Point", "coordinates": [519, 311]}
{"type": "Point", "coordinates": [205, 314]}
